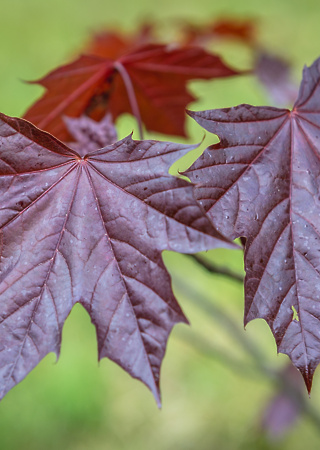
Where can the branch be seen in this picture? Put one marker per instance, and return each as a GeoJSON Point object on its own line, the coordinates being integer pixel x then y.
{"type": "Point", "coordinates": [236, 365]}
{"type": "Point", "coordinates": [278, 378]}
{"type": "Point", "coordinates": [213, 268]}
{"type": "Point", "coordinates": [216, 313]}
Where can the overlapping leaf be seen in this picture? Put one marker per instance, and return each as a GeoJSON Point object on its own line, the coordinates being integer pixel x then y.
{"type": "Point", "coordinates": [90, 228]}
{"type": "Point", "coordinates": [274, 73]}
{"type": "Point", "coordinates": [154, 76]}
{"type": "Point", "coordinates": [262, 181]}
{"type": "Point", "coordinates": [88, 135]}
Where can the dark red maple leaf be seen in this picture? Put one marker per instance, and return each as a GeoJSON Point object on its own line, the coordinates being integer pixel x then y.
{"type": "Point", "coordinates": [240, 29]}
{"type": "Point", "coordinates": [243, 30]}
{"type": "Point", "coordinates": [149, 82]}
{"type": "Point", "coordinates": [90, 228]}
{"type": "Point", "coordinates": [262, 181]}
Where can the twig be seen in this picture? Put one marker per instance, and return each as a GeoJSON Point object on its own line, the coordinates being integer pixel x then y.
{"type": "Point", "coordinates": [198, 343]}
{"type": "Point", "coordinates": [218, 314]}
{"type": "Point", "coordinates": [277, 377]}
{"type": "Point", "coordinates": [213, 268]}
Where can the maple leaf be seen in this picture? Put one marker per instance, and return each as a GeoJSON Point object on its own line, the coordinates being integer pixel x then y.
{"type": "Point", "coordinates": [224, 28]}
{"type": "Point", "coordinates": [149, 82]}
{"type": "Point", "coordinates": [90, 228]}
{"type": "Point", "coordinates": [261, 181]}
{"type": "Point", "coordinates": [242, 30]}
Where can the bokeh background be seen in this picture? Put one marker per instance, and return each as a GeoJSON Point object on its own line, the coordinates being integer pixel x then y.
{"type": "Point", "coordinates": [217, 378]}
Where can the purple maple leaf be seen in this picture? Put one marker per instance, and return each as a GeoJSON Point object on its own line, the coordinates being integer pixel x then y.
{"type": "Point", "coordinates": [91, 229]}
{"type": "Point", "coordinates": [262, 181]}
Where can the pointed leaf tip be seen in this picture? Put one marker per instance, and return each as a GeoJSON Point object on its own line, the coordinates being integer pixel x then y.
{"type": "Point", "coordinates": [307, 375]}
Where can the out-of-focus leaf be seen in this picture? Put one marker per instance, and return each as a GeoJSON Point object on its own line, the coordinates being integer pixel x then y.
{"type": "Point", "coordinates": [90, 135]}
{"type": "Point", "coordinates": [284, 409]}
{"type": "Point", "coordinates": [274, 74]}
{"type": "Point", "coordinates": [154, 77]}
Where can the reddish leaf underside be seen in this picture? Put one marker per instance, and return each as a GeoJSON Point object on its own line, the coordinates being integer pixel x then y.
{"type": "Point", "coordinates": [90, 228]}
{"type": "Point", "coordinates": [262, 181]}
{"type": "Point", "coordinates": [94, 86]}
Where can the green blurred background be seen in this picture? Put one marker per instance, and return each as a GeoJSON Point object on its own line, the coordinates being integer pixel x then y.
{"type": "Point", "coordinates": [215, 387]}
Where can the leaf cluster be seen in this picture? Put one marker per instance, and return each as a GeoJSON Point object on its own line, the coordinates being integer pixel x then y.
{"type": "Point", "coordinates": [84, 218]}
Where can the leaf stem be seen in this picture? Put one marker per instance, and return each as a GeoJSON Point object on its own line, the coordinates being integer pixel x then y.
{"type": "Point", "coordinates": [131, 95]}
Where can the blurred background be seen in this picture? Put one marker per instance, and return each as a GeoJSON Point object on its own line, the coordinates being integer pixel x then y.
{"type": "Point", "coordinates": [222, 386]}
